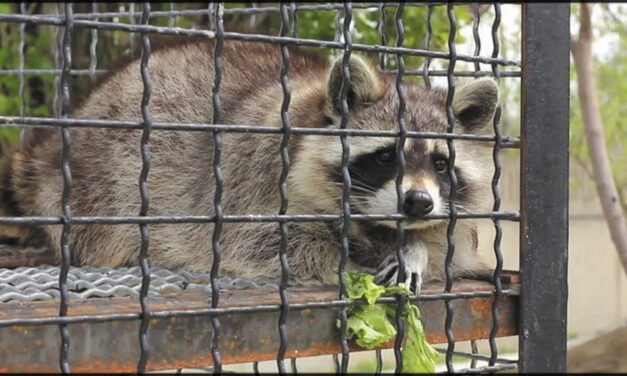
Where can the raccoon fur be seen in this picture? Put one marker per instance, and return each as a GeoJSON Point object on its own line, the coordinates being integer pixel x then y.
{"type": "Point", "coordinates": [105, 166]}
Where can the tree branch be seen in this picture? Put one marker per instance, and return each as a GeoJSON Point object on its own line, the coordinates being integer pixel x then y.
{"type": "Point", "coordinates": [581, 49]}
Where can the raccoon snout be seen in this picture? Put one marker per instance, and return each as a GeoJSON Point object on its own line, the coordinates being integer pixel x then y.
{"type": "Point", "coordinates": [417, 203]}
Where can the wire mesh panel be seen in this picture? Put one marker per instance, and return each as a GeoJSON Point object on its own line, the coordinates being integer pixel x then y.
{"type": "Point", "coordinates": [207, 319]}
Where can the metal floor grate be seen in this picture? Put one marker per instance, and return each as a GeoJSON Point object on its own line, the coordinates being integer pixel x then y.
{"type": "Point", "coordinates": [42, 282]}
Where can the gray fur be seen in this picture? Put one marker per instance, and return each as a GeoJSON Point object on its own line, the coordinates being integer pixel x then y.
{"type": "Point", "coordinates": [106, 164]}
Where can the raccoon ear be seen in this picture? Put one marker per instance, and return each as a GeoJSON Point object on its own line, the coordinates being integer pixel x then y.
{"type": "Point", "coordinates": [474, 104]}
{"type": "Point", "coordinates": [365, 85]}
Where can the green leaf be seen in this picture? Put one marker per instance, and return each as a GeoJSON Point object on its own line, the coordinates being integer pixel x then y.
{"type": "Point", "coordinates": [360, 285]}
{"type": "Point", "coordinates": [371, 327]}
{"type": "Point", "coordinates": [372, 324]}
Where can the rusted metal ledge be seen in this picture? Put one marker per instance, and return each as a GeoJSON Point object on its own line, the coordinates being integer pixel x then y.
{"type": "Point", "coordinates": [184, 341]}
{"type": "Point", "coordinates": [14, 256]}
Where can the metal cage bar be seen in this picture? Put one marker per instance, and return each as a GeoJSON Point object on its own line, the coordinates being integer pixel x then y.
{"type": "Point", "coordinates": [450, 239]}
{"type": "Point", "coordinates": [346, 179]}
{"type": "Point", "coordinates": [400, 153]}
{"type": "Point", "coordinates": [143, 191]}
{"type": "Point", "coordinates": [217, 15]}
{"type": "Point", "coordinates": [496, 194]}
{"type": "Point", "coordinates": [544, 187]}
{"type": "Point", "coordinates": [285, 159]}
{"type": "Point", "coordinates": [230, 35]}
{"type": "Point", "coordinates": [20, 71]}
{"type": "Point", "coordinates": [66, 252]}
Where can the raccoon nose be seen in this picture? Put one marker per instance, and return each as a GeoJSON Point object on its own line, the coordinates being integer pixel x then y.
{"type": "Point", "coordinates": [417, 203]}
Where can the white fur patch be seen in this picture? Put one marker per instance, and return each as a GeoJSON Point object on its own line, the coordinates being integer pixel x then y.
{"type": "Point", "coordinates": [385, 201]}
{"type": "Point", "coordinates": [416, 260]}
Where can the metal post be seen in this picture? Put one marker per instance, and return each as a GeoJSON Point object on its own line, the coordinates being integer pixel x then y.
{"type": "Point", "coordinates": [544, 187]}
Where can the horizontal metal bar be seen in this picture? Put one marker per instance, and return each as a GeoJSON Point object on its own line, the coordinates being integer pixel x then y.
{"type": "Point", "coordinates": [178, 341]}
{"type": "Point", "coordinates": [245, 11]}
{"type": "Point", "coordinates": [484, 369]}
{"type": "Point", "coordinates": [416, 72]}
{"type": "Point", "coordinates": [476, 356]}
{"type": "Point", "coordinates": [12, 121]}
{"type": "Point", "coordinates": [73, 72]}
{"type": "Point", "coordinates": [252, 38]}
{"type": "Point", "coordinates": [215, 312]}
{"type": "Point", "coordinates": [174, 219]}
{"type": "Point", "coordinates": [443, 73]}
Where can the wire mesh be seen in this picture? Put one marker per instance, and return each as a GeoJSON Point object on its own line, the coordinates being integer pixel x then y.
{"type": "Point", "coordinates": [285, 158]}
{"type": "Point", "coordinates": [66, 254]}
{"type": "Point", "coordinates": [98, 21]}
{"type": "Point", "coordinates": [217, 172]}
{"type": "Point", "coordinates": [450, 116]}
{"type": "Point", "coordinates": [497, 196]}
{"type": "Point", "coordinates": [400, 194]}
{"type": "Point", "coordinates": [143, 190]}
{"type": "Point", "coordinates": [346, 179]}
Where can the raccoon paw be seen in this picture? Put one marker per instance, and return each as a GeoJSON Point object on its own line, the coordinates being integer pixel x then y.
{"type": "Point", "coordinates": [388, 273]}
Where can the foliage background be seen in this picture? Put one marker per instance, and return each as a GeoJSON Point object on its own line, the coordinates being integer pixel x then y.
{"type": "Point", "coordinates": [112, 46]}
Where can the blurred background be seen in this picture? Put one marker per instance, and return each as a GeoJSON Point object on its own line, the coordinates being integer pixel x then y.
{"type": "Point", "coordinates": [597, 279]}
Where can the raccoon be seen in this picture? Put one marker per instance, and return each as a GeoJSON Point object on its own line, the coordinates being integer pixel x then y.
{"type": "Point", "coordinates": [105, 166]}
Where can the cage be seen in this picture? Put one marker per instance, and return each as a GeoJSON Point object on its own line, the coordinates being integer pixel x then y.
{"type": "Point", "coordinates": [143, 318]}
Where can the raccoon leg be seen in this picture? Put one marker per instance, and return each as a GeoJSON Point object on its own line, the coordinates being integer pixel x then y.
{"type": "Point", "coordinates": [416, 258]}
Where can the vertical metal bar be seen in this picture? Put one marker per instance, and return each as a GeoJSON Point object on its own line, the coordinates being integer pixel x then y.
{"type": "Point", "coordinates": [336, 362]}
{"type": "Point", "coordinates": [20, 52]}
{"type": "Point", "coordinates": [172, 21]}
{"type": "Point", "coordinates": [66, 253]}
{"type": "Point", "coordinates": [337, 21]}
{"type": "Point", "coordinates": [346, 179]}
{"type": "Point", "coordinates": [400, 155]}
{"type": "Point", "coordinates": [131, 20]}
{"type": "Point", "coordinates": [379, 357]}
{"type": "Point", "coordinates": [450, 116]}
{"type": "Point", "coordinates": [210, 17]}
{"type": "Point", "coordinates": [58, 63]}
{"type": "Point", "coordinates": [294, 15]}
{"type": "Point", "coordinates": [544, 187]}
{"type": "Point", "coordinates": [425, 67]}
{"type": "Point", "coordinates": [495, 38]}
{"type": "Point", "coordinates": [143, 191]}
{"type": "Point", "coordinates": [256, 368]}
{"type": "Point", "coordinates": [218, 12]}
{"type": "Point", "coordinates": [285, 120]}
{"type": "Point", "coordinates": [253, 16]}
{"type": "Point", "coordinates": [382, 37]}
{"type": "Point", "coordinates": [93, 61]}
{"type": "Point", "coordinates": [475, 34]}
{"type": "Point", "coordinates": [497, 196]}
{"type": "Point", "coordinates": [474, 349]}
{"type": "Point", "coordinates": [293, 364]}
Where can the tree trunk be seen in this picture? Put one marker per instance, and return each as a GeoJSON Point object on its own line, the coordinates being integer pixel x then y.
{"type": "Point", "coordinates": [581, 49]}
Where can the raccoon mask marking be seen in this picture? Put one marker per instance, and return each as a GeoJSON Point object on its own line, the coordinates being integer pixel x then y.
{"type": "Point", "coordinates": [106, 163]}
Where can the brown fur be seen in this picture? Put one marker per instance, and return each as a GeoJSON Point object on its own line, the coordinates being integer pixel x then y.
{"type": "Point", "coordinates": [106, 163]}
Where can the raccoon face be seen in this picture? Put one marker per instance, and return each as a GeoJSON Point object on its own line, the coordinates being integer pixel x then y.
{"type": "Point", "coordinates": [373, 166]}
{"type": "Point", "coordinates": [425, 186]}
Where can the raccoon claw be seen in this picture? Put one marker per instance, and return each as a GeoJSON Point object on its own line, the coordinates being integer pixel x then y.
{"type": "Point", "coordinates": [388, 275]}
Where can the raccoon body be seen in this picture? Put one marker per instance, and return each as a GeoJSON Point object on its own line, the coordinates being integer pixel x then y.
{"type": "Point", "coordinates": [106, 163]}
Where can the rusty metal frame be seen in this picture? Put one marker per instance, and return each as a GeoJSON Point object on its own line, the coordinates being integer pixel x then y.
{"type": "Point", "coordinates": [182, 338]}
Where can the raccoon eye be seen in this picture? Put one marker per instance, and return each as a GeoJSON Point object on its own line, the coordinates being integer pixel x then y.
{"type": "Point", "coordinates": [385, 157]}
{"type": "Point", "coordinates": [440, 164]}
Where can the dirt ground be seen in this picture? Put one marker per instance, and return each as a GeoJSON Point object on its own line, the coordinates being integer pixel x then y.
{"type": "Point", "coordinates": [606, 353]}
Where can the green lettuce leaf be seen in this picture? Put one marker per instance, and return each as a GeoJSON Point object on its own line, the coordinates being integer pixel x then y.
{"type": "Point", "coordinates": [372, 324]}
